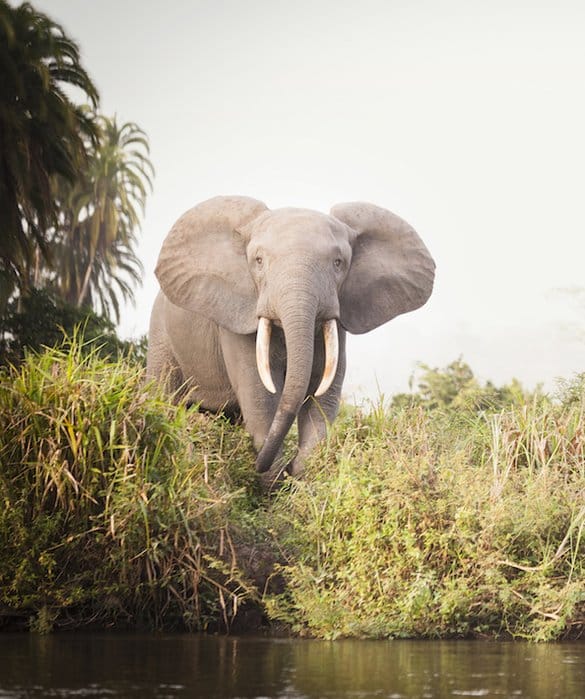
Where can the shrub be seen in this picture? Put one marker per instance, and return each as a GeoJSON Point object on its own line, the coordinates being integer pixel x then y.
{"type": "Point", "coordinates": [39, 320]}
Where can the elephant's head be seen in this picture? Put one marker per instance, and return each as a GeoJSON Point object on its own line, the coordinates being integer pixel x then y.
{"type": "Point", "coordinates": [244, 266]}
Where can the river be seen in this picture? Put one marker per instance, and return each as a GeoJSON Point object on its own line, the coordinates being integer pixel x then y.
{"type": "Point", "coordinates": [169, 666]}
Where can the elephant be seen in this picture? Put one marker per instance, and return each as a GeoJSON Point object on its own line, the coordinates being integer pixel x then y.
{"type": "Point", "coordinates": [254, 307]}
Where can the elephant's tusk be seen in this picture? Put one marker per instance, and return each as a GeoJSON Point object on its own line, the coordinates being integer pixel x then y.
{"type": "Point", "coordinates": [263, 353]}
{"type": "Point", "coordinates": [331, 355]}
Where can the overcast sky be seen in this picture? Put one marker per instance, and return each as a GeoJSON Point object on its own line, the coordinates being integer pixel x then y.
{"type": "Point", "coordinates": [465, 117]}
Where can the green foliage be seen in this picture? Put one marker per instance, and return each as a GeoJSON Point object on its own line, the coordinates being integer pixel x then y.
{"type": "Point", "coordinates": [38, 320]}
{"type": "Point", "coordinates": [117, 507]}
{"type": "Point", "coordinates": [421, 523]}
{"type": "Point", "coordinates": [41, 133]}
{"type": "Point", "coordinates": [455, 387]}
{"type": "Point", "coordinates": [94, 262]}
{"type": "Point", "coordinates": [121, 509]}
{"type": "Point", "coordinates": [72, 182]}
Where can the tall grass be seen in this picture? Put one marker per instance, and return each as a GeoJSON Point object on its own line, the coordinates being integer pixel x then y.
{"type": "Point", "coordinates": [463, 517]}
{"type": "Point", "coordinates": [116, 507]}
{"type": "Point", "coordinates": [440, 524]}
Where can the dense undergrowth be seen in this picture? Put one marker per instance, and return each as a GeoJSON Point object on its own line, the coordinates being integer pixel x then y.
{"type": "Point", "coordinates": [417, 524]}
{"type": "Point", "coordinates": [458, 511]}
{"type": "Point", "coordinates": [116, 507]}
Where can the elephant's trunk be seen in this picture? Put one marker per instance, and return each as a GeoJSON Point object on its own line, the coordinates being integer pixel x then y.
{"type": "Point", "coordinates": [298, 323]}
{"type": "Point", "coordinates": [330, 338]}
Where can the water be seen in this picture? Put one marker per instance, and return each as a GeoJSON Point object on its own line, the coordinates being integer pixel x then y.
{"type": "Point", "coordinates": [167, 666]}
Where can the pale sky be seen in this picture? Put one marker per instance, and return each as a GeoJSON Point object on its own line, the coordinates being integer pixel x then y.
{"type": "Point", "coordinates": [465, 117]}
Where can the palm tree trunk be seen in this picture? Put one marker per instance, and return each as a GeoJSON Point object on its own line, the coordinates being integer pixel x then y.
{"type": "Point", "coordinates": [85, 286]}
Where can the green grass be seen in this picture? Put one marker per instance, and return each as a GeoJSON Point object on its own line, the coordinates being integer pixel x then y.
{"type": "Point", "coordinates": [445, 523]}
{"type": "Point", "coordinates": [421, 518]}
{"type": "Point", "coordinates": [116, 507]}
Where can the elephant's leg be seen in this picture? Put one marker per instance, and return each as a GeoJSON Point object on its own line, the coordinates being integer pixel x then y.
{"type": "Point", "coordinates": [162, 366]}
{"type": "Point", "coordinates": [318, 413]}
{"type": "Point", "coordinates": [161, 363]}
{"type": "Point", "coordinates": [257, 405]}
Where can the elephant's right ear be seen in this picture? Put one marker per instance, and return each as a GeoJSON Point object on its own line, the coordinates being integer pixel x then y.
{"type": "Point", "coordinates": [202, 265]}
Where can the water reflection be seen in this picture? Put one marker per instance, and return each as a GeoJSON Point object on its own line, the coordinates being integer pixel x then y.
{"type": "Point", "coordinates": [220, 668]}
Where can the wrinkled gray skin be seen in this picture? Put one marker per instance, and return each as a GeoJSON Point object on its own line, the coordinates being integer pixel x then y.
{"type": "Point", "coordinates": [230, 261]}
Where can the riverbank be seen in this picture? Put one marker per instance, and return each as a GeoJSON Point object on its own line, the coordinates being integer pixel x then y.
{"type": "Point", "coordinates": [419, 518]}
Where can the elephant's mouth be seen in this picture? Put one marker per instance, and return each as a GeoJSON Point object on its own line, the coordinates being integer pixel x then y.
{"type": "Point", "coordinates": [331, 341]}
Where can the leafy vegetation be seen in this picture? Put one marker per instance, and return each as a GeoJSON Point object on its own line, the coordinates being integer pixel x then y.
{"type": "Point", "coordinates": [94, 263]}
{"type": "Point", "coordinates": [120, 509]}
{"type": "Point", "coordinates": [42, 133]}
{"type": "Point", "coordinates": [455, 387]}
{"type": "Point", "coordinates": [38, 320]}
{"type": "Point", "coordinates": [73, 183]}
{"type": "Point", "coordinates": [453, 521]}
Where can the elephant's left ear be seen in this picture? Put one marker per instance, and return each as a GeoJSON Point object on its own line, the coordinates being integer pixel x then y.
{"type": "Point", "coordinates": [391, 272]}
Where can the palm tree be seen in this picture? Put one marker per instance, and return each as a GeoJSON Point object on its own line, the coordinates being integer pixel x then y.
{"type": "Point", "coordinates": [43, 134]}
{"type": "Point", "coordinates": [95, 261]}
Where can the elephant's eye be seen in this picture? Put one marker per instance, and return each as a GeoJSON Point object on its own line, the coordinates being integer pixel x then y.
{"type": "Point", "coordinates": [259, 260]}
{"type": "Point", "coordinates": [337, 263]}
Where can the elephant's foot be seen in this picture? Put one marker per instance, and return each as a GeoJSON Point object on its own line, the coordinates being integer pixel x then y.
{"type": "Point", "coordinates": [296, 467]}
{"type": "Point", "coordinates": [273, 480]}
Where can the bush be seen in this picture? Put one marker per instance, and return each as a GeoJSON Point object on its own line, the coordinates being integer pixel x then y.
{"type": "Point", "coordinates": [40, 320]}
{"type": "Point", "coordinates": [455, 387]}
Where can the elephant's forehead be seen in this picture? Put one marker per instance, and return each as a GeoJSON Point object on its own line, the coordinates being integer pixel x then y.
{"type": "Point", "coordinates": [292, 224]}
